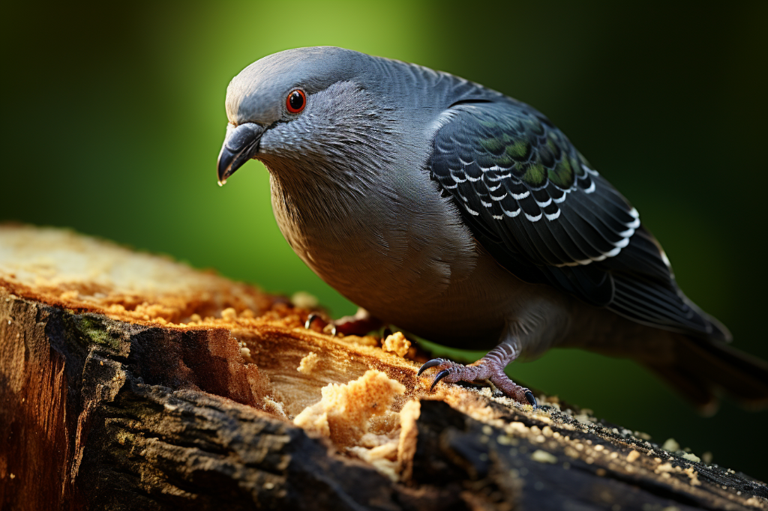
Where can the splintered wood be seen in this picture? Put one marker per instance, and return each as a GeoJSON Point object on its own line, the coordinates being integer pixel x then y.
{"type": "Point", "coordinates": [128, 379]}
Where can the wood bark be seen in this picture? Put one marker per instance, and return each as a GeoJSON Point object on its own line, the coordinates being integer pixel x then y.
{"type": "Point", "coordinates": [98, 412]}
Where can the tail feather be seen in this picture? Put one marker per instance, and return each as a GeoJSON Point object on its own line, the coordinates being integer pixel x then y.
{"type": "Point", "coordinates": [701, 368]}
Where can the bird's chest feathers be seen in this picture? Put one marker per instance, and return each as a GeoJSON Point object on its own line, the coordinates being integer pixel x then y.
{"type": "Point", "coordinates": [377, 246]}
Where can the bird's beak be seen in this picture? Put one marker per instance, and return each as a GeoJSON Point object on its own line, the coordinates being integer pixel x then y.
{"type": "Point", "coordinates": [240, 145]}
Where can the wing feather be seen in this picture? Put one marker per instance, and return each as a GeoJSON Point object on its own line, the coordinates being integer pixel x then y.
{"type": "Point", "coordinates": [539, 208]}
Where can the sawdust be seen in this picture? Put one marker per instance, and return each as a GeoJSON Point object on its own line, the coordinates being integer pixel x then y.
{"type": "Point", "coordinates": [359, 419]}
{"type": "Point", "coordinates": [344, 412]}
{"type": "Point", "coordinates": [77, 272]}
{"type": "Point", "coordinates": [308, 363]}
{"type": "Point", "coordinates": [397, 344]}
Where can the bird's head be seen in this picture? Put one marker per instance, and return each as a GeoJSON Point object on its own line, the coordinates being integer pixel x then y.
{"type": "Point", "coordinates": [310, 108]}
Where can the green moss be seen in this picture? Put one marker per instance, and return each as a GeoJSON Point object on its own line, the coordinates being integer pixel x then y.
{"type": "Point", "coordinates": [91, 329]}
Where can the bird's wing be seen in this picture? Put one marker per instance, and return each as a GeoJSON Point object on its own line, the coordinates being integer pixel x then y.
{"type": "Point", "coordinates": [536, 205]}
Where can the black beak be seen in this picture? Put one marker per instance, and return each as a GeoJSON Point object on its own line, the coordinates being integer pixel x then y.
{"type": "Point", "coordinates": [241, 144]}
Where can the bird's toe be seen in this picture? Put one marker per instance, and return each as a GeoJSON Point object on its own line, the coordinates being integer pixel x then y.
{"type": "Point", "coordinates": [484, 371]}
{"type": "Point", "coordinates": [531, 399]}
{"type": "Point", "coordinates": [432, 363]}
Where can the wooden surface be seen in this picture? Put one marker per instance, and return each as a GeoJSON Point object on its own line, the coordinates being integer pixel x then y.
{"type": "Point", "coordinates": [104, 409]}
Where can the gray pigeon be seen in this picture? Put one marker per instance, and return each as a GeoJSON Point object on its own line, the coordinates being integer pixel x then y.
{"type": "Point", "coordinates": [466, 217]}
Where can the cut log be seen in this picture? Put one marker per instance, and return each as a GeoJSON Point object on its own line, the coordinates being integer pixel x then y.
{"type": "Point", "coordinates": [129, 381]}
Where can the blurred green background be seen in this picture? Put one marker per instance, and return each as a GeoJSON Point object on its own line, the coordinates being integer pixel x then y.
{"type": "Point", "coordinates": [113, 116]}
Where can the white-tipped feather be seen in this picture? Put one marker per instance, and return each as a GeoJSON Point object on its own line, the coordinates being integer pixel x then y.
{"type": "Point", "coordinates": [518, 196]}
{"type": "Point", "coordinates": [533, 218]}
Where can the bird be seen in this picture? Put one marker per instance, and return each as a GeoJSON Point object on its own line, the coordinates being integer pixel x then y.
{"type": "Point", "coordinates": [466, 217]}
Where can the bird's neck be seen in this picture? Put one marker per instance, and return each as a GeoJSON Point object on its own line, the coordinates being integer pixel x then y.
{"type": "Point", "coordinates": [307, 197]}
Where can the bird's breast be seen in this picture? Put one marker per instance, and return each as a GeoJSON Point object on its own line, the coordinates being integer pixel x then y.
{"type": "Point", "coordinates": [406, 257]}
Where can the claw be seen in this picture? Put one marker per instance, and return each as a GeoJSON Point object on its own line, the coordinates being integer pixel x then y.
{"type": "Point", "coordinates": [531, 399]}
{"type": "Point", "coordinates": [432, 363]}
{"type": "Point", "coordinates": [442, 374]}
{"type": "Point", "coordinates": [310, 319]}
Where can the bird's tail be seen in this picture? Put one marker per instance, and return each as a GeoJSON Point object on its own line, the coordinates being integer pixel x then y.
{"type": "Point", "coordinates": [701, 368]}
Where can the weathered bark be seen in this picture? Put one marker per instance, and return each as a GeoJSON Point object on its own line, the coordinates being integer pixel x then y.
{"type": "Point", "coordinates": [103, 410]}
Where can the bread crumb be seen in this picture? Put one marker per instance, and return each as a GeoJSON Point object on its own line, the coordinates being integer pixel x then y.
{"type": "Point", "coordinates": [229, 314]}
{"type": "Point", "coordinates": [643, 436]}
{"type": "Point", "coordinates": [304, 300]}
{"type": "Point", "coordinates": [571, 452]}
{"type": "Point", "coordinates": [308, 363]}
{"type": "Point", "coordinates": [397, 344]}
{"type": "Point", "coordinates": [671, 445]}
{"type": "Point", "coordinates": [583, 418]}
{"type": "Point", "coordinates": [691, 457]}
{"type": "Point", "coordinates": [632, 456]}
{"type": "Point", "coordinates": [344, 411]}
{"type": "Point", "coordinates": [693, 475]}
{"type": "Point", "coordinates": [543, 456]}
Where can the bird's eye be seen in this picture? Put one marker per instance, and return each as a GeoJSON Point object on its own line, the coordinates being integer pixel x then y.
{"type": "Point", "coordinates": [296, 101]}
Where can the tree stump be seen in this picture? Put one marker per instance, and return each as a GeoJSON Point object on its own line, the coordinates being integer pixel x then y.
{"type": "Point", "coordinates": [129, 381]}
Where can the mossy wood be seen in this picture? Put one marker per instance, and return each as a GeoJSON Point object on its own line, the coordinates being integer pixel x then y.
{"type": "Point", "coordinates": [128, 381]}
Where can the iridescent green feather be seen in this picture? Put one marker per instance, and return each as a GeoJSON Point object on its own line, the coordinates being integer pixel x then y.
{"type": "Point", "coordinates": [535, 175]}
{"type": "Point", "coordinates": [493, 145]}
{"type": "Point", "coordinates": [519, 150]}
{"type": "Point", "coordinates": [562, 175]}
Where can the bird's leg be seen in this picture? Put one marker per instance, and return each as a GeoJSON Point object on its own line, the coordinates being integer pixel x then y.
{"type": "Point", "coordinates": [489, 369]}
{"type": "Point", "coordinates": [359, 324]}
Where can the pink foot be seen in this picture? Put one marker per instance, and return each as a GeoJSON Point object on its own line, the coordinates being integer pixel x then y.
{"type": "Point", "coordinates": [485, 370]}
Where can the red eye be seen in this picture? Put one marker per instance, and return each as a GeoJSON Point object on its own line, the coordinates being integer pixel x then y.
{"type": "Point", "coordinates": [296, 101]}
